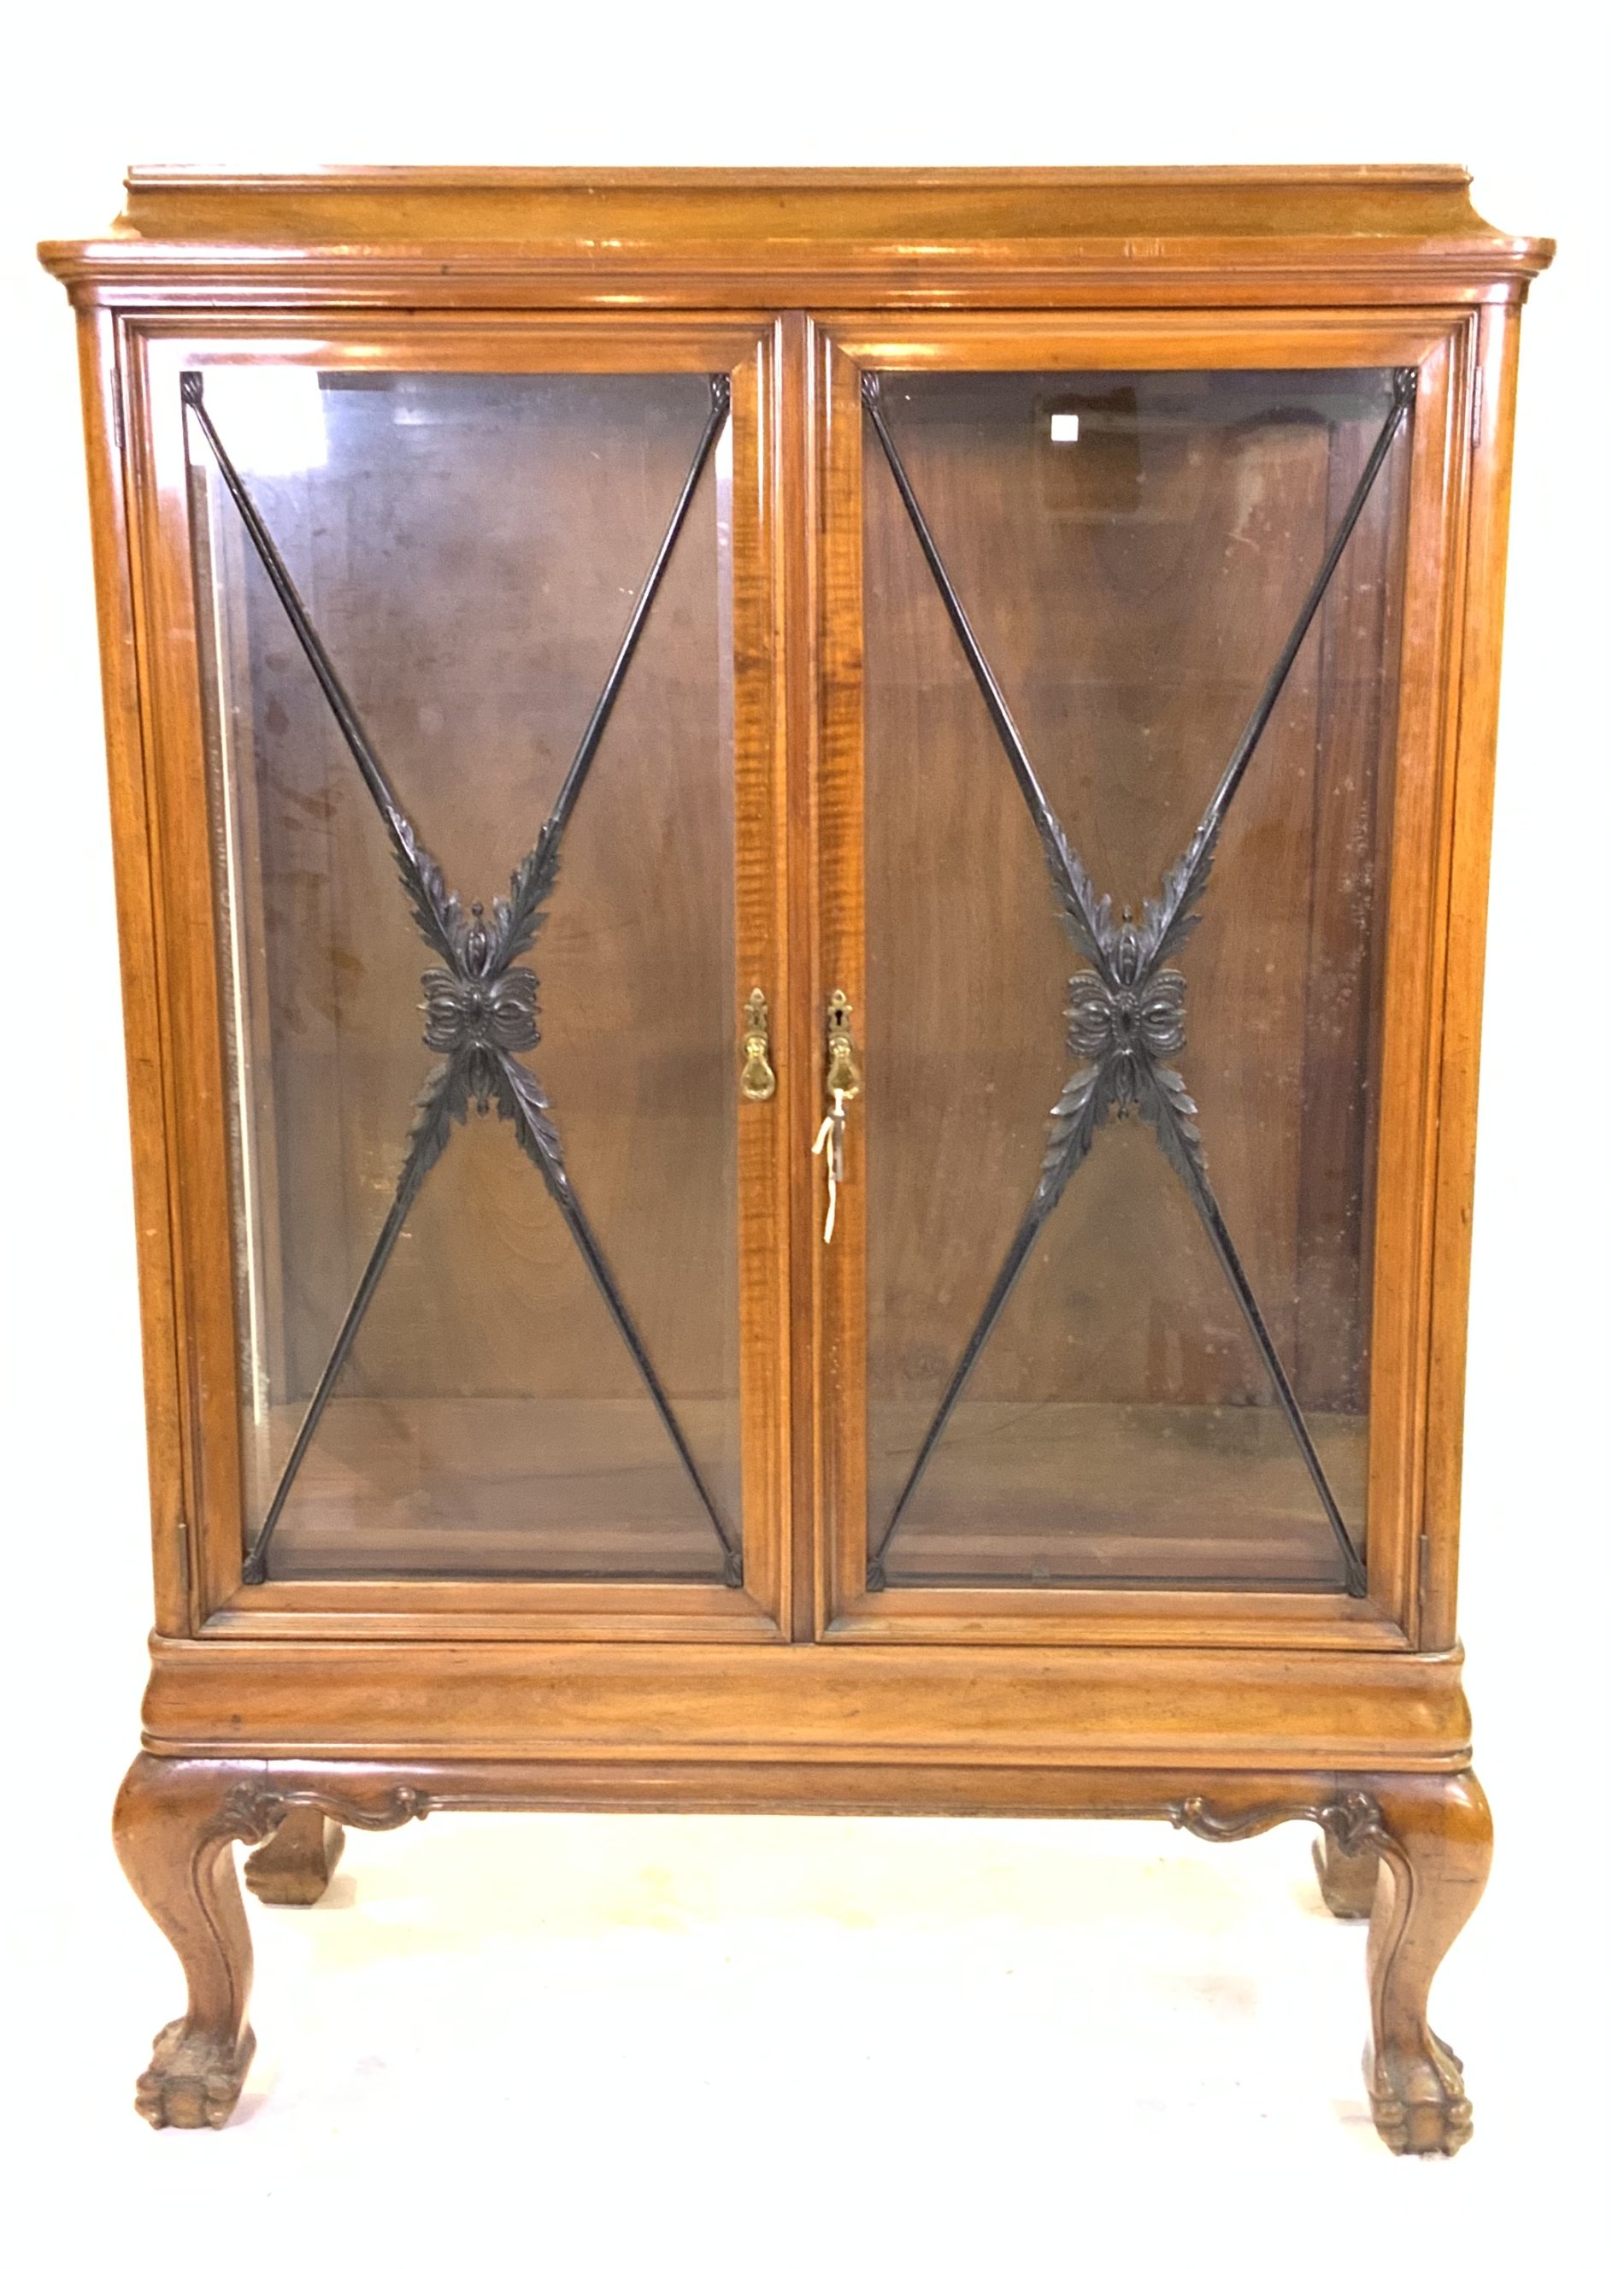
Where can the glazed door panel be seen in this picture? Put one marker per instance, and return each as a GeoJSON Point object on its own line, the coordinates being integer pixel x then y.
{"type": "Point", "coordinates": [1113, 785]}
{"type": "Point", "coordinates": [488, 777]}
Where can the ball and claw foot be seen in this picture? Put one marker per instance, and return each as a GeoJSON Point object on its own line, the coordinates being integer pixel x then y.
{"type": "Point", "coordinates": [191, 2081]}
{"type": "Point", "coordinates": [1419, 2104]}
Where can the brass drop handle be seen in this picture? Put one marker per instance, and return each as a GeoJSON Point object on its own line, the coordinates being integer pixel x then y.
{"type": "Point", "coordinates": [758, 1082]}
{"type": "Point", "coordinates": [843, 1085]}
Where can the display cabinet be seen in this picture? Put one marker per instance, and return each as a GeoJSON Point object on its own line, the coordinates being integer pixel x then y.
{"type": "Point", "coordinates": [801, 864]}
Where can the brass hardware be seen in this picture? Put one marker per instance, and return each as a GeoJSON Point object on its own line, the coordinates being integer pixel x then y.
{"type": "Point", "coordinates": [758, 1082]}
{"type": "Point", "coordinates": [843, 1079]}
{"type": "Point", "coordinates": [843, 1086]}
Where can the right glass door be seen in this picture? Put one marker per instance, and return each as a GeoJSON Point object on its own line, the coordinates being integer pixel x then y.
{"type": "Point", "coordinates": [1130, 666]}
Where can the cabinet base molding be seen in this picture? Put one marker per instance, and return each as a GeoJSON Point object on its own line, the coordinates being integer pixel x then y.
{"type": "Point", "coordinates": [788, 1720]}
{"type": "Point", "coordinates": [1426, 1837]}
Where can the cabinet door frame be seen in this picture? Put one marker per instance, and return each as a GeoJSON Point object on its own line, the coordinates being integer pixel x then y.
{"type": "Point", "coordinates": [200, 1591]}
{"type": "Point", "coordinates": [1442, 346]}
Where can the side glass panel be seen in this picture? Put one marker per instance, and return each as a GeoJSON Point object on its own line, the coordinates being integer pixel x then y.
{"type": "Point", "coordinates": [474, 864]}
{"type": "Point", "coordinates": [1123, 987]}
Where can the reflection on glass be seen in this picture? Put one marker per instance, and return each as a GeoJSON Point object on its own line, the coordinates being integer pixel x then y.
{"type": "Point", "coordinates": [468, 550]}
{"type": "Point", "coordinates": [1177, 1387]}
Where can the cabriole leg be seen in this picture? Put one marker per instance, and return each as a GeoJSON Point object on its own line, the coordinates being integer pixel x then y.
{"type": "Point", "coordinates": [296, 1866]}
{"type": "Point", "coordinates": [1347, 1879]}
{"type": "Point", "coordinates": [1434, 1857]}
{"type": "Point", "coordinates": [173, 1827]}
{"type": "Point", "coordinates": [1430, 1837]}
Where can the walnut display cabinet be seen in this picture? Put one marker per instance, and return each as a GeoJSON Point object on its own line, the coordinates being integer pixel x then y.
{"type": "Point", "coordinates": [801, 864]}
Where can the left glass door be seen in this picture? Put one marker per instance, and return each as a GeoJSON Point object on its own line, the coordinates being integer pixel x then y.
{"type": "Point", "coordinates": [477, 669]}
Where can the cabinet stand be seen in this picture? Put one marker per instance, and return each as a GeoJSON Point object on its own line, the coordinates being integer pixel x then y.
{"type": "Point", "coordinates": [1426, 1839]}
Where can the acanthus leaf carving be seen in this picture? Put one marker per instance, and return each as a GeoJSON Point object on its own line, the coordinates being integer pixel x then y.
{"type": "Point", "coordinates": [251, 1810]}
{"type": "Point", "coordinates": [1353, 1820]}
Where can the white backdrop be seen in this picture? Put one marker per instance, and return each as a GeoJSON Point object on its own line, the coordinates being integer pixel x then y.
{"type": "Point", "coordinates": [792, 2041]}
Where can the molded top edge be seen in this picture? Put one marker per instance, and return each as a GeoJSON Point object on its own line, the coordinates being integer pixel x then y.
{"type": "Point", "coordinates": [795, 220]}
{"type": "Point", "coordinates": [927, 207]}
{"type": "Point", "coordinates": [326, 179]}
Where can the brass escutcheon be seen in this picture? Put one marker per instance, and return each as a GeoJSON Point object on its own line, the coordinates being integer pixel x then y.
{"type": "Point", "coordinates": [758, 1082]}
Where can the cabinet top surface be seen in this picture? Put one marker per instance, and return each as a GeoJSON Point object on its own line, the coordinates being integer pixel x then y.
{"type": "Point", "coordinates": [894, 228]}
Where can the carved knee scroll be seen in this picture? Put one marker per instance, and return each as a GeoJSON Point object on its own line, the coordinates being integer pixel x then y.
{"type": "Point", "coordinates": [173, 1826]}
{"type": "Point", "coordinates": [1423, 1844]}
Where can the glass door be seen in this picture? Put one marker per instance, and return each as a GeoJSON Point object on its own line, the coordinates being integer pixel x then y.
{"type": "Point", "coordinates": [1124, 630]}
{"type": "Point", "coordinates": [480, 646]}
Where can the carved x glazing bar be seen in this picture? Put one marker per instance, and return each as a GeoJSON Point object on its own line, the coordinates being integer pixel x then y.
{"type": "Point", "coordinates": [907, 1249]}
